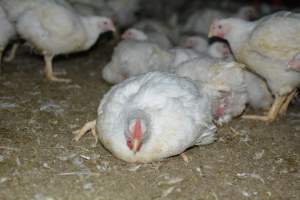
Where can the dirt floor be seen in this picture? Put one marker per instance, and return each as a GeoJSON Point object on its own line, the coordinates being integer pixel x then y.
{"type": "Point", "coordinates": [39, 160]}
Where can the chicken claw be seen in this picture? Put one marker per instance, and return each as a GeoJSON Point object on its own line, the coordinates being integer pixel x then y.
{"type": "Point", "coordinates": [185, 157]}
{"type": "Point", "coordinates": [273, 112]}
{"type": "Point", "coordinates": [89, 126]}
{"type": "Point", "coordinates": [49, 71]}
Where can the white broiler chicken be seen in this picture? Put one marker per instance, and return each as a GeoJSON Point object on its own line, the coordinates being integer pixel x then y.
{"type": "Point", "coordinates": [259, 96]}
{"type": "Point", "coordinates": [154, 37]}
{"type": "Point", "coordinates": [15, 8]}
{"type": "Point", "coordinates": [220, 50]}
{"type": "Point", "coordinates": [152, 117]}
{"type": "Point", "coordinates": [197, 43]}
{"type": "Point", "coordinates": [181, 55]}
{"type": "Point", "coordinates": [53, 29]}
{"type": "Point", "coordinates": [225, 81]}
{"type": "Point", "coordinates": [132, 57]}
{"type": "Point", "coordinates": [150, 25]}
{"type": "Point", "coordinates": [217, 49]}
{"type": "Point", "coordinates": [7, 33]}
{"type": "Point", "coordinates": [200, 21]}
{"type": "Point", "coordinates": [266, 46]}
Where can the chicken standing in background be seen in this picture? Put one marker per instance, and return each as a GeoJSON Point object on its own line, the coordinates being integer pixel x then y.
{"type": "Point", "coordinates": [266, 46]}
{"type": "Point", "coordinates": [199, 21]}
{"type": "Point", "coordinates": [154, 37]}
{"type": "Point", "coordinates": [153, 116]}
{"type": "Point", "coordinates": [7, 33]}
{"type": "Point", "coordinates": [225, 81]}
{"type": "Point", "coordinates": [53, 29]}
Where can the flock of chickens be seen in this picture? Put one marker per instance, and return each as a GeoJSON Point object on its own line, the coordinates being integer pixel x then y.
{"type": "Point", "coordinates": [172, 88]}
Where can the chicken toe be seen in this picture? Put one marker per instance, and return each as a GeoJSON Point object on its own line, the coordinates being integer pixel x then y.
{"type": "Point", "coordinates": [185, 157]}
{"type": "Point", "coordinates": [273, 112]}
{"type": "Point", "coordinates": [89, 126]}
{"type": "Point", "coordinates": [49, 71]}
{"type": "Point", "coordinates": [286, 103]}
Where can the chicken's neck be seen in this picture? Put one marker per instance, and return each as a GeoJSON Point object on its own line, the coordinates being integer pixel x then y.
{"type": "Point", "coordinates": [92, 31]}
{"type": "Point", "coordinates": [239, 35]}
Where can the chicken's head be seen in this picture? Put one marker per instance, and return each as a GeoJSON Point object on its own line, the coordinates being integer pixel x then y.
{"type": "Point", "coordinates": [219, 28]}
{"type": "Point", "coordinates": [106, 24]}
{"type": "Point", "coordinates": [134, 34]}
{"type": "Point", "coordinates": [136, 134]}
{"type": "Point", "coordinates": [219, 50]}
{"type": "Point", "coordinates": [294, 63]}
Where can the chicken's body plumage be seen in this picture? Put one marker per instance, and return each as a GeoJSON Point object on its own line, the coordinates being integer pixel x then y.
{"type": "Point", "coordinates": [131, 58]}
{"type": "Point", "coordinates": [7, 33]}
{"type": "Point", "coordinates": [224, 81]}
{"type": "Point", "coordinates": [177, 115]}
{"type": "Point", "coordinates": [266, 47]}
{"type": "Point", "coordinates": [53, 29]}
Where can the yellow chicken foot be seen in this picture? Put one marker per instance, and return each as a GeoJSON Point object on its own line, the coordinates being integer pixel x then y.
{"type": "Point", "coordinates": [285, 105]}
{"type": "Point", "coordinates": [89, 126]}
{"type": "Point", "coordinates": [273, 112]}
{"type": "Point", "coordinates": [49, 71]}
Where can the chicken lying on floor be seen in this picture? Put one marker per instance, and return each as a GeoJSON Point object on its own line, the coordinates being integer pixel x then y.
{"type": "Point", "coordinates": [153, 116]}
{"type": "Point", "coordinates": [267, 46]}
{"type": "Point", "coordinates": [226, 83]}
{"type": "Point", "coordinates": [155, 37]}
{"type": "Point", "coordinates": [53, 29]}
{"type": "Point", "coordinates": [132, 58]}
{"type": "Point", "coordinates": [200, 44]}
{"type": "Point", "coordinates": [7, 33]}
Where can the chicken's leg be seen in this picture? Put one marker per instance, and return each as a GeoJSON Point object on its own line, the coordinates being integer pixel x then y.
{"type": "Point", "coordinates": [273, 112]}
{"type": "Point", "coordinates": [285, 105]}
{"type": "Point", "coordinates": [89, 126]}
{"type": "Point", "coordinates": [49, 70]}
{"type": "Point", "coordinates": [12, 53]}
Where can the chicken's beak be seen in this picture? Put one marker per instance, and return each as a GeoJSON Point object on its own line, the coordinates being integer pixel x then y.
{"type": "Point", "coordinates": [136, 145]}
